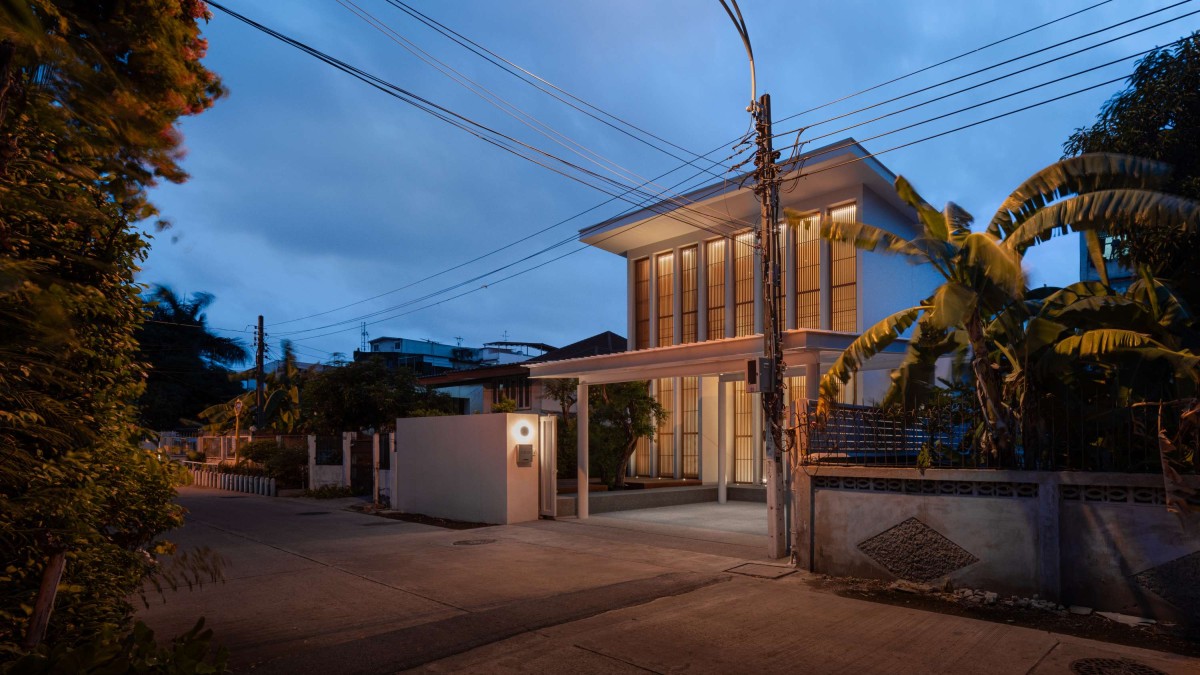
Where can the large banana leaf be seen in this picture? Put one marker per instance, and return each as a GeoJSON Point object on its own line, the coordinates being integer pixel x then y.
{"type": "Point", "coordinates": [1076, 175]}
{"type": "Point", "coordinates": [872, 341]}
{"type": "Point", "coordinates": [871, 238]}
{"type": "Point", "coordinates": [984, 263]}
{"type": "Point", "coordinates": [935, 223]}
{"type": "Point", "coordinates": [915, 379]}
{"type": "Point", "coordinates": [1096, 344]}
{"type": "Point", "coordinates": [1108, 210]}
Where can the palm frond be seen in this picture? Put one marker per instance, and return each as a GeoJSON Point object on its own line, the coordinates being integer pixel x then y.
{"type": "Point", "coordinates": [989, 263]}
{"type": "Point", "coordinates": [1073, 176]}
{"type": "Point", "coordinates": [872, 341]}
{"type": "Point", "coordinates": [1113, 211]}
{"type": "Point", "coordinates": [935, 223]}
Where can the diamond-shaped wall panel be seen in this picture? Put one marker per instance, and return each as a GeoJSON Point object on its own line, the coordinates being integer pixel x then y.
{"type": "Point", "coordinates": [1176, 581]}
{"type": "Point", "coordinates": [916, 552]}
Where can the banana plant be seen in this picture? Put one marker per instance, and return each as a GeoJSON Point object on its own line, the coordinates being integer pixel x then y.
{"type": "Point", "coordinates": [281, 409]}
{"type": "Point", "coordinates": [981, 278]}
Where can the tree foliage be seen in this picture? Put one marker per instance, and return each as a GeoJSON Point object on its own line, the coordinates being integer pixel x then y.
{"type": "Point", "coordinates": [1156, 116]}
{"type": "Point", "coordinates": [618, 415]}
{"type": "Point", "coordinates": [89, 94]}
{"type": "Point", "coordinates": [188, 364]}
{"type": "Point", "coordinates": [983, 307]}
{"type": "Point", "coordinates": [366, 395]}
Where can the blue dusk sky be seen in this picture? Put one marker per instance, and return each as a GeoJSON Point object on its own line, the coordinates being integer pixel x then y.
{"type": "Point", "coordinates": [311, 190]}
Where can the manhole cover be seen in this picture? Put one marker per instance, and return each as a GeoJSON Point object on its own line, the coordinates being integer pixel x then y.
{"type": "Point", "coordinates": [473, 542]}
{"type": "Point", "coordinates": [1112, 667]}
{"type": "Point", "coordinates": [762, 571]}
{"type": "Point", "coordinates": [376, 524]}
{"type": "Point", "coordinates": [312, 513]}
{"type": "Point", "coordinates": [232, 497]}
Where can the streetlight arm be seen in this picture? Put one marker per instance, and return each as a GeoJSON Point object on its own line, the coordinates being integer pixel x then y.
{"type": "Point", "coordinates": [740, 24]}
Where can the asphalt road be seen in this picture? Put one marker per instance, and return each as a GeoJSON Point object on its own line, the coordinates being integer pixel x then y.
{"type": "Point", "coordinates": [311, 587]}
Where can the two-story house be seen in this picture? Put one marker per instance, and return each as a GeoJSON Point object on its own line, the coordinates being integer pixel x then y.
{"type": "Point", "coordinates": [695, 307]}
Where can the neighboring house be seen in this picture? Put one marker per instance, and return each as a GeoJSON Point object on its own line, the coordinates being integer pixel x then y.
{"type": "Point", "coordinates": [1119, 277]}
{"type": "Point", "coordinates": [695, 307]}
{"type": "Point", "coordinates": [478, 389]}
{"type": "Point", "coordinates": [426, 357]}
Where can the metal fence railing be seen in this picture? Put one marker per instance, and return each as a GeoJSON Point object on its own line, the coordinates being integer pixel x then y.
{"type": "Point", "coordinates": [1059, 437]}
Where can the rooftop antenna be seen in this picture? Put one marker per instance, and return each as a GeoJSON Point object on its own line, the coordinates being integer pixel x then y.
{"type": "Point", "coordinates": [458, 339]}
{"type": "Point", "coordinates": [505, 335]}
{"type": "Point", "coordinates": [365, 335]}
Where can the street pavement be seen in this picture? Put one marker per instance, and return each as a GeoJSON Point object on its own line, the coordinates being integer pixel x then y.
{"type": "Point", "coordinates": [312, 587]}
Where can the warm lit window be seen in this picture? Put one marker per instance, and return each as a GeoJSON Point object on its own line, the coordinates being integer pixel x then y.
{"type": "Point", "coordinates": [516, 388]}
{"type": "Point", "coordinates": [743, 283]}
{"type": "Point", "coordinates": [641, 291]}
{"type": "Point", "coordinates": [687, 293]}
{"type": "Point", "coordinates": [641, 457]}
{"type": "Point", "coordinates": [743, 434]}
{"type": "Point", "coordinates": [664, 438]}
{"type": "Point", "coordinates": [843, 278]}
{"type": "Point", "coordinates": [689, 419]}
{"type": "Point", "coordinates": [808, 271]}
{"type": "Point", "coordinates": [714, 252]}
{"type": "Point", "coordinates": [666, 298]}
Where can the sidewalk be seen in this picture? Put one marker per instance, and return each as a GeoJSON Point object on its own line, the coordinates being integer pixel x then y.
{"type": "Point", "coordinates": [342, 592]}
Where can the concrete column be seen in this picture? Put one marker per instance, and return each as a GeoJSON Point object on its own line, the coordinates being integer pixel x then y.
{"type": "Point", "coordinates": [375, 467]}
{"type": "Point", "coordinates": [802, 518]}
{"type": "Point", "coordinates": [581, 452]}
{"type": "Point", "coordinates": [631, 304]}
{"type": "Point", "coordinates": [724, 431]}
{"type": "Point", "coordinates": [347, 439]}
{"type": "Point", "coordinates": [701, 292]}
{"type": "Point", "coordinates": [758, 297]}
{"type": "Point", "coordinates": [776, 509]}
{"type": "Point", "coordinates": [312, 460]}
{"type": "Point", "coordinates": [676, 298]}
{"type": "Point", "coordinates": [394, 474]}
{"type": "Point", "coordinates": [812, 376]}
{"type": "Point", "coordinates": [1048, 551]}
{"type": "Point", "coordinates": [677, 424]}
{"type": "Point", "coordinates": [652, 301]}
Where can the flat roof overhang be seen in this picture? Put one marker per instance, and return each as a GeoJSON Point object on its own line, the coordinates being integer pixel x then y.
{"type": "Point", "coordinates": [473, 376]}
{"type": "Point", "coordinates": [712, 357]}
{"type": "Point", "coordinates": [713, 206]}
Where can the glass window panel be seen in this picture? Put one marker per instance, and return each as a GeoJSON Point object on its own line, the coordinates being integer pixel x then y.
{"type": "Point", "coordinates": [641, 458]}
{"type": "Point", "coordinates": [689, 420]}
{"type": "Point", "coordinates": [807, 235]}
{"type": "Point", "coordinates": [688, 292]}
{"type": "Point", "coordinates": [843, 279]}
{"type": "Point", "coordinates": [641, 282]}
{"type": "Point", "coordinates": [715, 278]}
{"type": "Point", "coordinates": [743, 279]}
{"type": "Point", "coordinates": [743, 434]}
{"type": "Point", "coordinates": [664, 437]}
{"type": "Point", "coordinates": [666, 299]}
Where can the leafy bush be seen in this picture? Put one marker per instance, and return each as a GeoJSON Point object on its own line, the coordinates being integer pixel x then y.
{"type": "Point", "coordinates": [134, 652]}
{"type": "Point", "coordinates": [504, 405]}
{"type": "Point", "coordinates": [285, 465]}
{"type": "Point", "coordinates": [332, 492]}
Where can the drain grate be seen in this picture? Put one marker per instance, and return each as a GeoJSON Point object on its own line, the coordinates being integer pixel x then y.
{"type": "Point", "coordinates": [474, 542]}
{"type": "Point", "coordinates": [1112, 667]}
{"type": "Point", "coordinates": [312, 513]}
{"type": "Point", "coordinates": [232, 497]}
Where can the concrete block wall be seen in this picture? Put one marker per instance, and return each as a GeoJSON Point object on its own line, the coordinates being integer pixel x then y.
{"type": "Point", "coordinates": [1104, 541]}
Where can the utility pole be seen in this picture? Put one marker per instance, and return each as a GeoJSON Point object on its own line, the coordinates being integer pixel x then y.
{"type": "Point", "coordinates": [770, 367]}
{"type": "Point", "coordinates": [766, 185]}
{"type": "Point", "coordinates": [260, 387]}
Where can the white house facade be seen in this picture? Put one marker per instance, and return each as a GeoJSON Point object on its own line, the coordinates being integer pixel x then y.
{"type": "Point", "coordinates": [695, 308]}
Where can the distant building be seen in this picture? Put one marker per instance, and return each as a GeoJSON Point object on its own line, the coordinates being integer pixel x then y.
{"type": "Point", "coordinates": [426, 357]}
{"type": "Point", "coordinates": [478, 389]}
{"type": "Point", "coordinates": [1119, 277]}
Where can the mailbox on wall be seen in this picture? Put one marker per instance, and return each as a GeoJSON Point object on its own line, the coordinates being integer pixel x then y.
{"type": "Point", "coordinates": [525, 454]}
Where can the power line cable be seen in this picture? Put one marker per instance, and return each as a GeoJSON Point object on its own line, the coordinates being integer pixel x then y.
{"type": "Point", "coordinates": [508, 108]}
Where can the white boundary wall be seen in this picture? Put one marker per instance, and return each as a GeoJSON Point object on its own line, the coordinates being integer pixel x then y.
{"type": "Point", "coordinates": [464, 467]}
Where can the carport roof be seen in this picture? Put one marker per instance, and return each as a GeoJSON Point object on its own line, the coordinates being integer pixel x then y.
{"type": "Point", "coordinates": [713, 357]}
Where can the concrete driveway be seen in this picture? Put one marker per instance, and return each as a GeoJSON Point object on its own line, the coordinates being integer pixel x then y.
{"type": "Point", "coordinates": [313, 588]}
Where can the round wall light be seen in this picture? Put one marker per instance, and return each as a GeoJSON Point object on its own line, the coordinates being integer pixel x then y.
{"type": "Point", "coordinates": [523, 431]}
